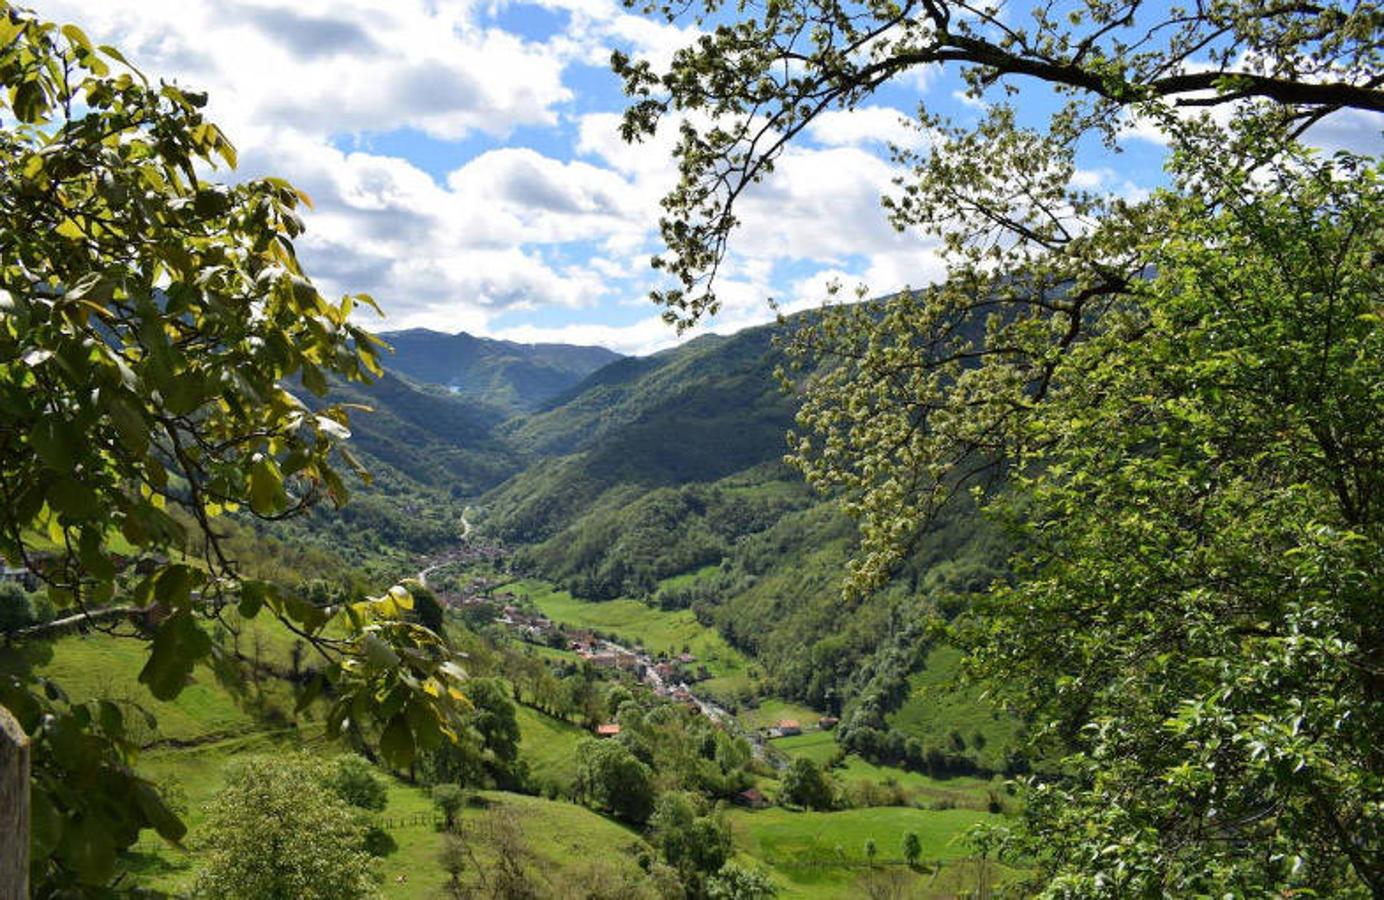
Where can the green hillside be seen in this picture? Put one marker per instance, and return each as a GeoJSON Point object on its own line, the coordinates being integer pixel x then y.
{"type": "Point", "coordinates": [503, 374]}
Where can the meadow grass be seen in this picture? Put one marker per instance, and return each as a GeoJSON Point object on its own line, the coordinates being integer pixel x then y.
{"type": "Point", "coordinates": [685, 578]}
{"type": "Point", "coordinates": [918, 789]}
{"type": "Point", "coordinates": [657, 630]}
{"type": "Point", "coordinates": [99, 666]}
{"type": "Point", "coordinates": [936, 707]}
{"type": "Point", "coordinates": [822, 854]}
{"type": "Point", "coordinates": [772, 710]}
{"type": "Point", "coordinates": [818, 746]}
{"type": "Point", "coordinates": [549, 745]}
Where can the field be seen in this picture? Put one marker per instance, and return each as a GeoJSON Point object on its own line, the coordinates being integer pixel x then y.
{"type": "Point", "coordinates": [935, 709]}
{"type": "Point", "coordinates": [818, 746]}
{"type": "Point", "coordinates": [962, 792]}
{"type": "Point", "coordinates": [658, 631]}
{"type": "Point", "coordinates": [772, 710]}
{"type": "Point", "coordinates": [549, 745]}
{"type": "Point", "coordinates": [822, 854]}
{"type": "Point", "coordinates": [565, 846]}
{"type": "Point", "coordinates": [560, 839]}
{"type": "Point", "coordinates": [687, 578]}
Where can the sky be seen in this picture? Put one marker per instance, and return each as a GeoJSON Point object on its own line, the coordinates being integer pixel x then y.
{"type": "Point", "coordinates": [466, 170]}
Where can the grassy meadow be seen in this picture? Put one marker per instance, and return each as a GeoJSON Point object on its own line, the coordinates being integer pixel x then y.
{"type": "Point", "coordinates": [566, 847]}
{"type": "Point", "coordinates": [658, 631]}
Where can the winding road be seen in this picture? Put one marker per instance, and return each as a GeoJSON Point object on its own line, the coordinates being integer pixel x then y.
{"type": "Point", "coordinates": [466, 530]}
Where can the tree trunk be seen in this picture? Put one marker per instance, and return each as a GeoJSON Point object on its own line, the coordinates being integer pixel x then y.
{"type": "Point", "coordinates": [14, 809]}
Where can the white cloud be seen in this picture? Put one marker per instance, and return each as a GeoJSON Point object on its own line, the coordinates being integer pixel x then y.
{"type": "Point", "coordinates": [325, 68]}
{"type": "Point", "coordinates": [507, 230]}
{"type": "Point", "coordinates": [645, 336]}
{"type": "Point", "coordinates": [866, 125]}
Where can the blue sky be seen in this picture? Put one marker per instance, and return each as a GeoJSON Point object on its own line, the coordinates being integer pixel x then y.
{"type": "Point", "coordinates": [465, 167]}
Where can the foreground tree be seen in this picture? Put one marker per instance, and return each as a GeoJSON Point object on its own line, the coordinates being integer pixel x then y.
{"type": "Point", "coordinates": [278, 830]}
{"type": "Point", "coordinates": [1181, 394]}
{"type": "Point", "coordinates": [1197, 610]}
{"type": "Point", "coordinates": [153, 328]}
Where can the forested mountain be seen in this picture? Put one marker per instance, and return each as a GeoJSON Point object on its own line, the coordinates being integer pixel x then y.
{"type": "Point", "coordinates": [510, 376]}
{"type": "Point", "coordinates": [693, 414]}
{"type": "Point", "coordinates": [660, 479]}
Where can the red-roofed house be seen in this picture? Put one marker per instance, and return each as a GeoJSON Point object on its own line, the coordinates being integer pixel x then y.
{"type": "Point", "coordinates": [752, 798]}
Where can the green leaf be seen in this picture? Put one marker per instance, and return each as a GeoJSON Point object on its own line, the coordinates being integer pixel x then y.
{"type": "Point", "coordinates": [157, 814]}
{"type": "Point", "coordinates": [88, 846]}
{"type": "Point", "coordinates": [177, 647]}
{"type": "Point", "coordinates": [73, 499]}
{"type": "Point", "coordinates": [377, 653]}
{"type": "Point", "coordinates": [252, 597]}
{"type": "Point", "coordinates": [45, 824]}
{"type": "Point", "coordinates": [266, 487]}
{"type": "Point", "coordinates": [173, 586]}
{"type": "Point", "coordinates": [55, 442]}
{"type": "Point", "coordinates": [396, 742]}
{"type": "Point", "coordinates": [75, 35]}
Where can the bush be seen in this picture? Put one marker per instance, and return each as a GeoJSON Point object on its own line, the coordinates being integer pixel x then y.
{"type": "Point", "coordinates": [353, 779]}
{"type": "Point", "coordinates": [277, 830]}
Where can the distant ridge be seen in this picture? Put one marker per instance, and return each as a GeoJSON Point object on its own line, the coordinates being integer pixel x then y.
{"type": "Point", "coordinates": [510, 376]}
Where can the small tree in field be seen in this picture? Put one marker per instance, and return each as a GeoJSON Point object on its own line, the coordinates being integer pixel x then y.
{"type": "Point", "coordinates": [449, 799]}
{"type": "Point", "coordinates": [276, 830]}
{"type": "Point", "coordinates": [736, 882]}
{"type": "Point", "coordinates": [804, 784]}
{"type": "Point", "coordinates": [912, 848]}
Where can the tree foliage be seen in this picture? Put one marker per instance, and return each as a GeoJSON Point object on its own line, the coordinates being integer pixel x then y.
{"type": "Point", "coordinates": [1174, 402]}
{"type": "Point", "coordinates": [1196, 617]}
{"type": "Point", "coordinates": [737, 882]}
{"type": "Point", "coordinates": [693, 841]}
{"type": "Point", "coordinates": [278, 830]}
{"type": "Point", "coordinates": [762, 74]}
{"type": "Point", "coordinates": [611, 777]}
{"type": "Point", "coordinates": [806, 784]}
{"type": "Point", "coordinates": [354, 780]}
{"type": "Point", "coordinates": [154, 327]}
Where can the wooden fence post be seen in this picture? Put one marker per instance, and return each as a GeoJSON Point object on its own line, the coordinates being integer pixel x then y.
{"type": "Point", "coordinates": [14, 809]}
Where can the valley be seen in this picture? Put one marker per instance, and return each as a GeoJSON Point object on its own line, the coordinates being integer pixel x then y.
{"type": "Point", "coordinates": [991, 504]}
{"type": "Point", "coordinates": [646, 526]}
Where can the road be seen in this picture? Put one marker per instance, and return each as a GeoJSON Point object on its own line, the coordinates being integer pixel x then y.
{"type": "Point", "coordinates": [438, 563]}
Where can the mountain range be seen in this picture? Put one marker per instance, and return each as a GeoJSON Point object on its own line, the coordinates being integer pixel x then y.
{"type": "Point", "coordinates": [509, 376]}
{"type": "Point", "coordinates": [617, 476]}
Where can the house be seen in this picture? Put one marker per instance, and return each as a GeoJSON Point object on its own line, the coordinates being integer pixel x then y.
{"type": "Point", "coordinates": [752, 798]}
{"type": "Point", "coordinates": [787, 727]}
{"type": "Point", "coordinates": [21, 575]}
{"type": "Point", "coordinates": [608, 730]}
{"type": "Point", "coordinates": [827, 723]}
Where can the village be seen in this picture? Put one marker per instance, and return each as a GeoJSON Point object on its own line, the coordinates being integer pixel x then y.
{"type": "Point", "coordinates": [668, 675]}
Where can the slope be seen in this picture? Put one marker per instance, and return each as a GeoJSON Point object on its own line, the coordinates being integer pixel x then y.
{"type": "Point", "coordinates": [504, 374]}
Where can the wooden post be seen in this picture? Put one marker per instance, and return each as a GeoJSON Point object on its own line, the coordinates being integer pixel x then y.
{"type": "Point", "coordinates": [14, 809]}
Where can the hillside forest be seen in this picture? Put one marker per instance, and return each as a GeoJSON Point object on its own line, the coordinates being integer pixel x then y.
{"type": "Point", "coordinates": [1059, 577]}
